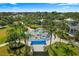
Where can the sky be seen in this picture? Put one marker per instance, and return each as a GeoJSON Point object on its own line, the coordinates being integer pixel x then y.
{"type": "Point", "coordinates": [39, 7]}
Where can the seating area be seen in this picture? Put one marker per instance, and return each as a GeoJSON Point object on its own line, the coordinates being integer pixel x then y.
{"type": "Point", "coordinates": [39, 34]}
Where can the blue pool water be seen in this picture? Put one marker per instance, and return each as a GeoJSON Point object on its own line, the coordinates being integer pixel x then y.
{"type": "Point", "coordinates": [38, 42]}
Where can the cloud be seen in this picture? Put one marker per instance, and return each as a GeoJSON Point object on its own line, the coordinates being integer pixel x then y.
{"type": "Point", "coordinates": [62, 4]}
{"type": "Point", "coordinates": [13, 3]}
{"type": "Point", "coordinates": [66, 7]}
{"type": "Point", "coordinates": [68, 4]}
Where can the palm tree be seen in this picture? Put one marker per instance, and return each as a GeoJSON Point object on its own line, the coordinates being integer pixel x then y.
{"type": "Point", "coordinates": [11, 37]}
{"type": "Point", "coordinates": [14, 35]}
{"type": "Point", "coordinates": [25, 36]}
{"type": "Point", "coordinates": [50, 25]}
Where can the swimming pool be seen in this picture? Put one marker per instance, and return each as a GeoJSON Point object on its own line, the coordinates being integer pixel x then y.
{"type": "Point", "coordinates": [38, 42]}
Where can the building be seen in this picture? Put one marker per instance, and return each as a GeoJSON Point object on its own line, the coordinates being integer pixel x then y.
{"type": "Point", "coordinates": [73, 26]}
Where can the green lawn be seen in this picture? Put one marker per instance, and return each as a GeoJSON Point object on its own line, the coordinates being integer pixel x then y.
{"type": "Point", "coordinates": [3, 35]}
{"type": "Point", "coordinates": [4, 51]}
{"type": "Point", "coordinates": [62, 49]}
{"type": "Point", "coordinates": [34, 26]}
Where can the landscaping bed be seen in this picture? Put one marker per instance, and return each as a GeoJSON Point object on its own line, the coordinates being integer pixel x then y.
{"type": "Point", "coordinates": [62, 49]}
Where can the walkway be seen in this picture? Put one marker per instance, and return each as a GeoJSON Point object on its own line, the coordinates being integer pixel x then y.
{"type": "Point", "coordinates": [57, 39]}
{"type": "Point", "coordinates": [4, 44]}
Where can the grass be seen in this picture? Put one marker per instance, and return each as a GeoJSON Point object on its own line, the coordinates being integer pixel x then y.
{"type": "Point", "coordinates": [34, 26]}
{"type": "Point", "coordinates": [62, 49]}
{"type": "Point", "coordinates": [3, 35]}
{"type": "Point", "coordinates": [4, 51]}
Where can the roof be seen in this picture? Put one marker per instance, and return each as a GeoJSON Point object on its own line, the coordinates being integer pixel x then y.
{"type": "Point", "coordinates": [69, 19]}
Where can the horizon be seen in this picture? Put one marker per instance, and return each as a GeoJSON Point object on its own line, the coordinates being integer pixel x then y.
{"type": "Point", "coordinates": [39, 7]}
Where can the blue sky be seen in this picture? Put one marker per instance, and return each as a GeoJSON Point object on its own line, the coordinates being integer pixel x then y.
{"type": "Point", "coordinates": [39, 7]}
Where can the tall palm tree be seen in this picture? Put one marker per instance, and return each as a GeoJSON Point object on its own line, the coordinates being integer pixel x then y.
{"type": "Point", "coordinates": [62, 28]}
{"type": "Point", "coordinates": [50, 26]}
{"type": "Point", "coordinates": [12, 37]}
{"type": "Point", "coordinates": [25, 36]}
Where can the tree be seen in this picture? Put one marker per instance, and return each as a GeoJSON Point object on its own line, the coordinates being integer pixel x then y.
{"type": "Point", "coordinates": [50, 25]}
{"type": "Point", "coordinates": [12, 37]}
{"type": "Point", "coordinates": [2, 23]}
